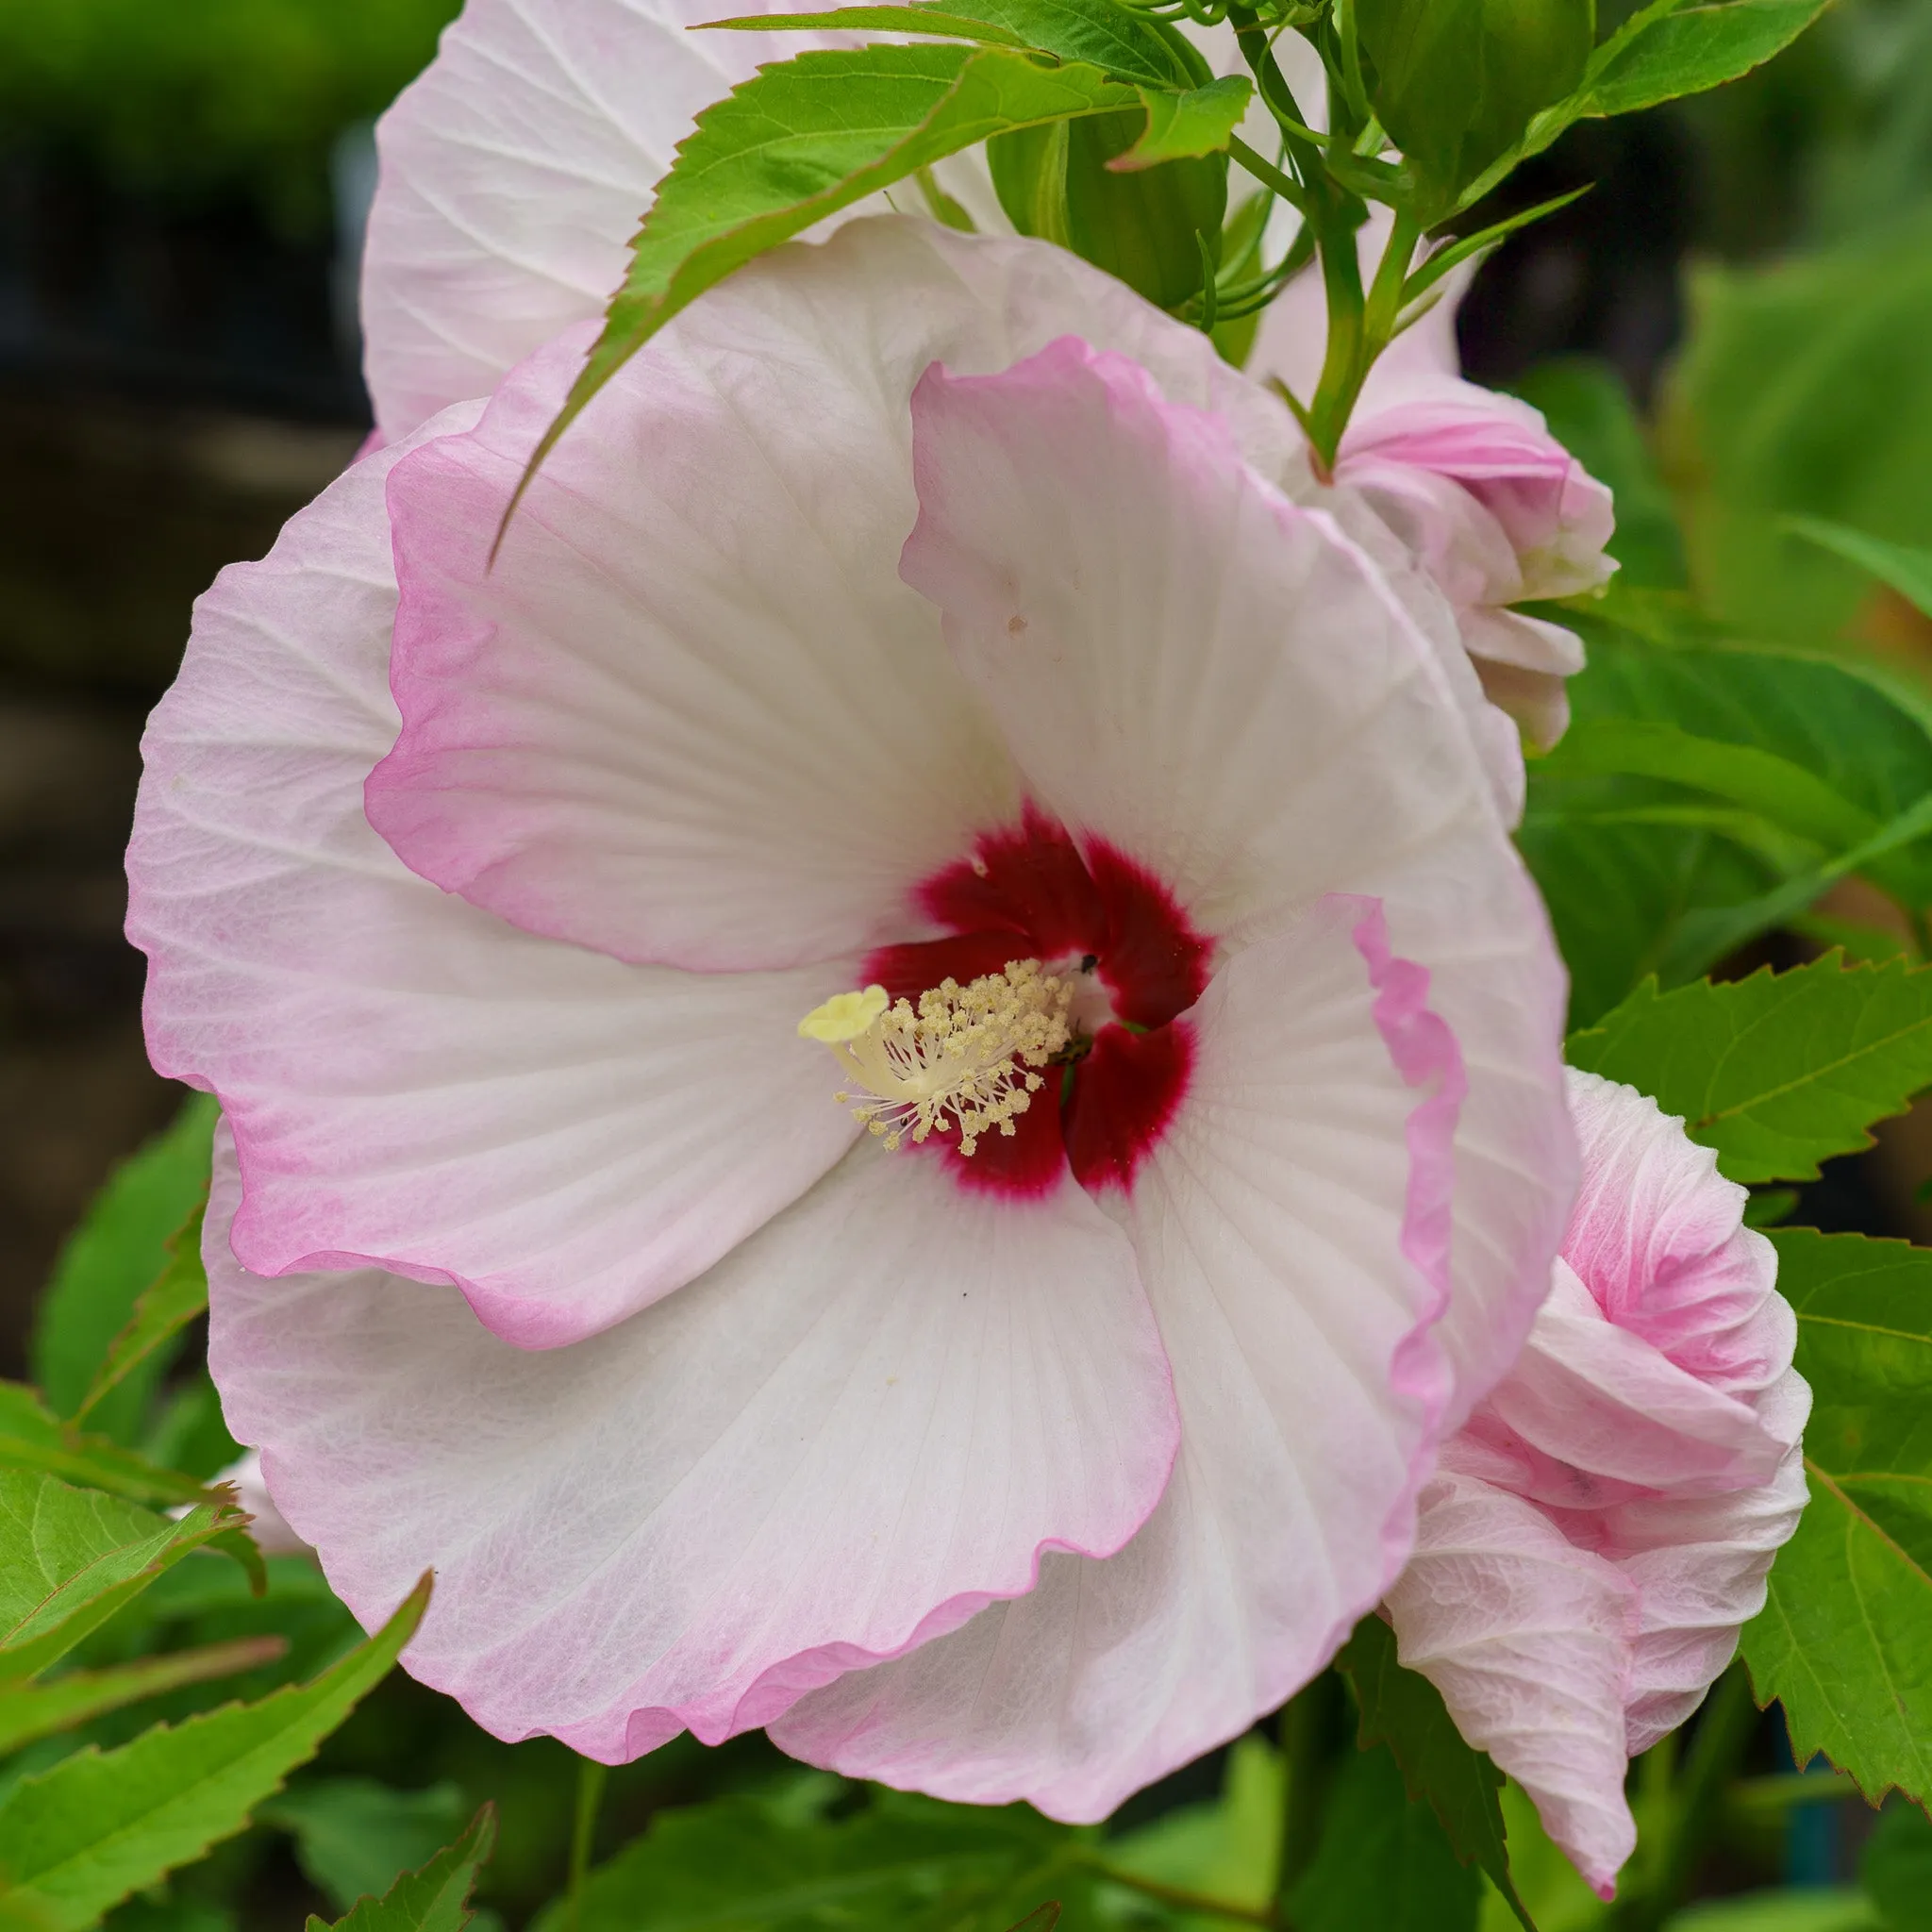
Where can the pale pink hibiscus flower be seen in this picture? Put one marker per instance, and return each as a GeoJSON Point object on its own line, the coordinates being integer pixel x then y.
{"type": "Point", "coordinates": [1491, 508]}
{"type": "Point", "coordinates": [1600, 1530]}
{"type": "Point", "coordinates": [1027, 1474]}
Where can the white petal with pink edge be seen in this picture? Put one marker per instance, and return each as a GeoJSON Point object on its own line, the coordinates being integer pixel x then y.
{"type": "Point", "coordinates": [1292, 1229]}
{"type": "Point", "coordinates": [412, 1081]}
{"type": "Point", "coordinates": [867, 1423]}
{"type": "Point", "coordinates": [1528, 1640]}
{"type": "Point", "coordinates": [690, 715]}
{"type": "Point", "coordinates": [514, 174]}
{"type": "Point", "coordinates": [1072, 527]}
{"type": "Point", "coordinates": [1700, 1565]}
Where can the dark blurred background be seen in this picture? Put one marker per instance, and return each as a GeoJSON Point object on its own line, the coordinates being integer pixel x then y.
{"type": "Point", "coordinates": [182, 188]}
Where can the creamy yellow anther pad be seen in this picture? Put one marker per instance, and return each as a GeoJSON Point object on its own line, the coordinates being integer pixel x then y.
{"type": "Point", "coordinates": [845, 1016]}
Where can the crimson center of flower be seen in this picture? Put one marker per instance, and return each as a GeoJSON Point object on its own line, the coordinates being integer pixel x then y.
{"type": "Point", "coordinates": [1044, 1031]}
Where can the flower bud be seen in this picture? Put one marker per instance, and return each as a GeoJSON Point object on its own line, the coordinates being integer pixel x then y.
{"type": "Point", "coordinates": [1456, 82]}
{"type": "Point", "coordinates": [1054, 182]}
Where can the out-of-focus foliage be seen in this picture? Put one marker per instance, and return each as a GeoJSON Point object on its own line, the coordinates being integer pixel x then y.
{"type": "Point", "coordinates": [1804, 388]}
{"type": "Point", "coordinates": [115, 1254]}
{"type": "Point", "coordinates": [194, 95]}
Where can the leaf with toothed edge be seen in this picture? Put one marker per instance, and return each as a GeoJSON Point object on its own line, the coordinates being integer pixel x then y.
{"type": "Point", "coordinates": [1845, 1640]}
{"type": "Point", "coordinates": [69, 1558]}
{"type": "Point", "coordinates": [28, 1711]}
{"type": "Point", "coordinates": [99, 1825]}
{"type": "Point", "coordinates": [1124, 44]}
{"type": "Point", "coordinates": [1777, 1071]}
{"type": "Point", "coordinates": [1403, 1709]}
{"type": "Point", "coordinates": [1185, 127]}
{"type": "Point", "coordinates": [800, 140]}
{"type": "Point", "coordinates": [162, 1310]}
{"type": "Point", "coordinates": [437, 1898]}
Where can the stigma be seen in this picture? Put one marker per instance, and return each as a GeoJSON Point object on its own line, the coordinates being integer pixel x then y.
{"type": "Point", "coordinates": [968, 1058]}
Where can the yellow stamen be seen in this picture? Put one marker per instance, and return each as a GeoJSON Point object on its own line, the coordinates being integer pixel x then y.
{"type": "Point", "coordinates": [845, 1016]}
{"type": "Point", "coordinates": [965, 1057]}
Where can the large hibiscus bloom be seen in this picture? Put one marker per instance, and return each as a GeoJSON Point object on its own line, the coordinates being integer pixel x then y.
{"type": "Point", "coordinates": [490, 903]}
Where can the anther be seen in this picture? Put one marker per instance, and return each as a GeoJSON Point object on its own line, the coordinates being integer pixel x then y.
{"type": "Point", "coordinates": [966, 1056]}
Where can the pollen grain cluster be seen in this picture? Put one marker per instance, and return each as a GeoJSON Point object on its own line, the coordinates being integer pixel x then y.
{"type": "Point", "coordinates": [966, 1056]}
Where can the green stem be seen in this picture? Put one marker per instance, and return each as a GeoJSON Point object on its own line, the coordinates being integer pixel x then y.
{"type": "Point", "coordinates": [1183, 1900]}
{"type": "Point", "coordinates": [1266, 172]}
{"type": "Point", "coordinates": [1277, 95]}
{"type": "Point", "coordinates": [1359, 329]}
{"type": "Point", "coordinates": [591, 1777]}
{"type": "Point", "coordinates": [1308, 1722]}
{"type": "Point", "coordinates": [1719, 1744]}
{"type": "Point", "coordinates": [1343, 21]}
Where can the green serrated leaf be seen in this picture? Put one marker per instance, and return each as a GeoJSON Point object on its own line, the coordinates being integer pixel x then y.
{"type": "Point", "coordinates": [800, 140]}
{"type": "Point", "coordinates": [740, 1863]}
{"type": "Point", "coordinates": [99, 1825]}
{"type": "Point", "coordinates": [354, 1836]}
{"type": "Point", "coordinates": [1384, 1860]}
{"type": "Point", "coordinates": [1402, 1709]}
{"type": "Point", "coordinates": [437, 1898]}
{"type": "Point", "coordinates": [1905, 567]}
{"type": "Point", "coordinates": [1128, 45]}
{"type": "Point", "coordinates": [942, 23]}
{"type": "Point", "coordinates": [1660, 52]}
{"type": "Point", "coordinates": [1041, 1919]}
{"type": "Point", "coordinates": [1183, 126]}
{"type": "Point", "coordinates": [1845, 1639]}
{"type": "Point", "coordinates": [34, 1441]}
{"type": "Point", "coordinates": [69, 1558]}
{"type": "Point", "coordinates": [1777, 1071]}
{"type": "Point", "coordinates": [1693, 49]}
{"type": "Point", "coordinates": [118, 1249]}
{"type": "Point", "coordinates": [28, 1711]}
{"type": "Point", "coordinates": [1647, 876]}
{"type": "Point", "coordinates": [162, 1310]}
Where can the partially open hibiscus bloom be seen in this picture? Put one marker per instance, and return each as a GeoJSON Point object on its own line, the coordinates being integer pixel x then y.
{"type": "Point", "coordinates": [1600, 1530]}
{"type": "Point", "coordinates": [1491, 505]}
{"type": "Point", "coordinates": [917, 612]}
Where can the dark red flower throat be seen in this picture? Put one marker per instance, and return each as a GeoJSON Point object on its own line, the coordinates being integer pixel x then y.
{"type": "Point", "coordinates": [1028, 892]}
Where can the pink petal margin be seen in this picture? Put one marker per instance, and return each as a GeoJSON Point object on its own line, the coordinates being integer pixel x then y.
{"type": "Point", "coordinates": [1425, 1053]}
{"type": "Point", "coordinates": [1111, 1675]}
